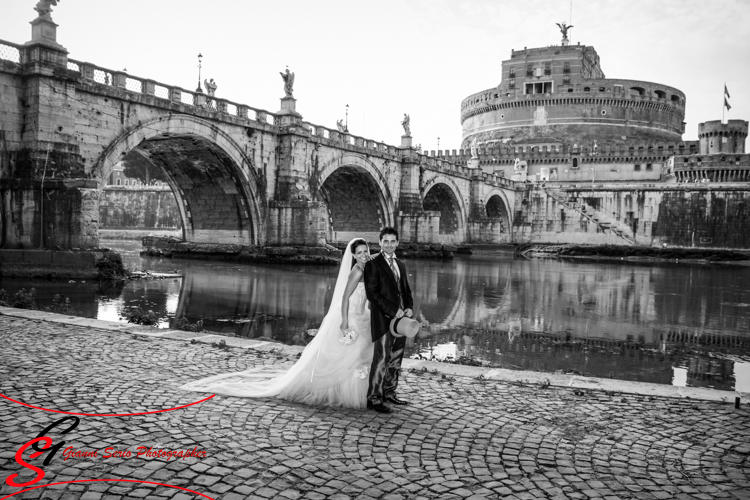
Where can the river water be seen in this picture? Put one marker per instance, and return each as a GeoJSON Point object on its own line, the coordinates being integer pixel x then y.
{"type": "Point", "coordinates": [668, 323]}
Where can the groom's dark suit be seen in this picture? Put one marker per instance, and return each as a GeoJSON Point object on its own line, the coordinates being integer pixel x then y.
{"type": "Point", "coordinates": [386, 296]}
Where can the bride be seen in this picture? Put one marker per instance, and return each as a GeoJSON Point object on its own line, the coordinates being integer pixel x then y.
{"type": "Point", "coordinates": [334, 368]}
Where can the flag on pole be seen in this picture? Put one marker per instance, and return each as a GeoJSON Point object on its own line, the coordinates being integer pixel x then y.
{"type": "Point", "coordinates": [726, 103]}
{"type": "Point", "coordinates": [726, 92]}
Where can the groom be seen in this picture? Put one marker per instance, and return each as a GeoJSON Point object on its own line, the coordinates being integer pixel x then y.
{"type": "Point", "coordinates": [387, 289]}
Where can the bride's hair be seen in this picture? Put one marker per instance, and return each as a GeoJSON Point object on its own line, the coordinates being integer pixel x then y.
{"type": "Point", "coordinates": [353, 248]}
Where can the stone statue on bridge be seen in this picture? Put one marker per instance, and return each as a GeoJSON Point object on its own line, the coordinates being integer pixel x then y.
{"type": "Point", "coordinates": [288, 78]}
{"type": "Point", "coordinates": [44, 7]}
{"type": "Point", "coordinates": [340, 125]}
{"type": "Point", "coordinates": [210, 87]}
{"type": "Point", "coordinates": [405, 123]}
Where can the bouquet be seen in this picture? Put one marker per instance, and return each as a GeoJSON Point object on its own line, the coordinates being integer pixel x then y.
{"type": "Point", "coordinates": [348, 336]}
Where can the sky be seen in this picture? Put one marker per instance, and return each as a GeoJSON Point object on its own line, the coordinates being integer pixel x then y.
{"type": "Point", "coordinates": [389, 57]}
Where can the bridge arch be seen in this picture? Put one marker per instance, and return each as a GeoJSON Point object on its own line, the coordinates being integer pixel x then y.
{"type": "Point", "coordinates": [497, 205]}
{"type": "Point", "coordinates": [214, 183]}
{"type": "Point", "coordinates": [359, 200]}
{"type": "Point", "coordinates": [443, 195]}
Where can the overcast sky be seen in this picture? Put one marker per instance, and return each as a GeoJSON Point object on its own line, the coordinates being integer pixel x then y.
{"type": "Point", "coordinates": [389, 57]}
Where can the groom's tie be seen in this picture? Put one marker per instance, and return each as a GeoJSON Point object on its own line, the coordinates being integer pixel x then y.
{"type": "Point", "coordinates": [394, 270]}
{"type": "Point", "coordinates": [394, 267]}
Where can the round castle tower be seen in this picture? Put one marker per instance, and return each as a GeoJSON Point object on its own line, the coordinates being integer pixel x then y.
{"type": "Point", "coordinates": [718, 137]}
{"type": "Point", "coordinates": [559, 94]}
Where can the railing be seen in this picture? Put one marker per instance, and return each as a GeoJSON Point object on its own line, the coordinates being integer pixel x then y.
{"type": "Point", "coordinates": [144, 86]}
{"type": "Point", "coordinates": [10, 52]}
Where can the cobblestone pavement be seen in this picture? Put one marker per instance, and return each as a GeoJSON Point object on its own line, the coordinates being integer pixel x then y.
{"type": "Point", "coordinates": [461, 437]}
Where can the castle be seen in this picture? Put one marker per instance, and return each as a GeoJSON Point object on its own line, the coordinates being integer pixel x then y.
{"type": "Point", "coordinates": [556, 117]}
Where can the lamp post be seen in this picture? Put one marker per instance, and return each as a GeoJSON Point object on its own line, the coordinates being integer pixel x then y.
{"type": "Point", "coordinates": [200, 58]}
{"type": "Point", "coordinates": [346, 125]}
{"type": "Point", "coordinates": [438, 145]}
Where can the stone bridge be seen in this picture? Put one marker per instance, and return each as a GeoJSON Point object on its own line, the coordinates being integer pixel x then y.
{"type": "Point", "coordinates": [240, 175]}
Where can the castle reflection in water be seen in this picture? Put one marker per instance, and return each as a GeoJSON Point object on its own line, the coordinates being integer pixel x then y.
{"type": "Point", "coordinates": [651, 323]}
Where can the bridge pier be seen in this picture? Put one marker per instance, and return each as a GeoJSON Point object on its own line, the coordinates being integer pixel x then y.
{"type": "Point", "coordinates": [47, 199]}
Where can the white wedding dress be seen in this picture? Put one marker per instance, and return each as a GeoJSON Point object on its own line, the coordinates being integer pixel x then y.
{"type": "Point", "coordinates": [327, 373]}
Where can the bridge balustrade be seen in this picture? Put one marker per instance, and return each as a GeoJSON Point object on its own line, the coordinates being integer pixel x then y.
{"type": "Point", "coordinates": [10, 52]}
{"type": "Point", "coordinates": [144, 86]}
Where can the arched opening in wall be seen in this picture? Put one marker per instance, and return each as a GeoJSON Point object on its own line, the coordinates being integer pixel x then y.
{"type": "Point", "coordinates": [496, 209]}
{"type": "Point", "coordinates": [181, 185]}
{"type": "Point", "coordinates": [354, 205]}
{"type": "Point", "coordinates": [639, 91]}
{"type": "Point", "coordinates": [675, 98]}
{"type": "Point", "coordinates": [660, 94]}
{"type": "Point", "coordinates": [440, 198]}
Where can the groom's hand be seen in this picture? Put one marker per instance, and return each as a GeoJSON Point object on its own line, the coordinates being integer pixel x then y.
{"type": "Point", "coordinates": [400, 313]}
{"type": "Point", "coordinates": [409, 313]}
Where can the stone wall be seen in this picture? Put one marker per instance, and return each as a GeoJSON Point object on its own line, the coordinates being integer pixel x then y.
{"type": "Point", "coordinates": [139, 207]}
{"type": "Point", "coordinates": [713, 216]}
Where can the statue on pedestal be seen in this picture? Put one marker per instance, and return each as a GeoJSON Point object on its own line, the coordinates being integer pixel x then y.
{"type": "Point", "coordinates": [473, 148]}
{"type": "Point", "coordinates": [288, 78]}
{"type": "Point", "coordinates": [44, 7]}
{"type": "Point", "coordinates": [340, 125]}
{"type": "Point", "coordinates": [405, 123]}
{"type": "Point", "coordinates": [210, 87]}
{"type": "Point", "coordinates": [564, 30]}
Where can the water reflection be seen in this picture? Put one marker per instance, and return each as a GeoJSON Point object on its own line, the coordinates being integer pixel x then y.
{"type": "Point", "coordinates": [671, 324]}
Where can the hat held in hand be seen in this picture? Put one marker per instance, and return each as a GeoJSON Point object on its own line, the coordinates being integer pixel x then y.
{"type": "Point", "coordinates": [404, 327]}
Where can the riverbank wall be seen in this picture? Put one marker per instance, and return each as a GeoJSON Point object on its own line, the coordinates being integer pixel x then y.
{"type": "Point", "coordinates": [96, 264]}
{"type": "Point", "coordinates": [138, 207]}
{"type": "Point", "coordinates": [179, 249]}
{"type": "Point", "coordinates": [705, 215]}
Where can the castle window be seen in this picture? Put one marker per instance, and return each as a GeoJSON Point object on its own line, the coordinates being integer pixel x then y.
{"type": "Point", "coordinates": [512, 72]}
{"type": "Point", "coordinates": [570, 89]}
{"type": "Point", "coordinates": [575, 164]}
{"type": "Point", "coordinates": [127, 182]}
{"type": "Point", "coordinates": [118, 182]}
{"type": "Point", "coordinates": [675, 98]}
{"type": "Point", "coordinates": [587, 89]}
{"type": "Point", "coordinates": [566, 79]}
{"type": "Point", "coordinates": [566, 67]}
{"type": "Point", "coordinates": [602, 89]}
{"type": "Point", "coordinates": [660, 94]}
{"type": "Point", "coordinates": [649, 167]}
{"type": "Point", "coordinates": [617, 88]}
{"type": "Point", "coordinates": [511, 83]}
{"type": "Point", "coordinates": [529, 70]}
{"type": "Point", "coordinates": [538, 88]}
{"type": "Point", "coordinates": [637, 167]}
{"type": "Point", "coordinates": [547, 68]}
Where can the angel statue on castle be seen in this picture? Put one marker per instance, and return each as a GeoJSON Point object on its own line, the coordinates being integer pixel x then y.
{"type": "Point", "coordinates": [564, 29]}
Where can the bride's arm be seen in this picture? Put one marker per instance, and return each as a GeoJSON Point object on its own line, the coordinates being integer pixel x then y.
{"type": "Point", "coordinates": [354, 276]}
